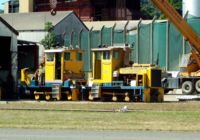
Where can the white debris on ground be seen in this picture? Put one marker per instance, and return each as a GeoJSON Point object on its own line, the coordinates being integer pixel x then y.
{"type": "Point", "coordinates": [124, 109]}
{"type": "Point", "coordinates": [188, 97]}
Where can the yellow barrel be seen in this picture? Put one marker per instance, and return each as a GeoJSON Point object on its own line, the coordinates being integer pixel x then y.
{"type": "Point", "coordinates": [75, 93]}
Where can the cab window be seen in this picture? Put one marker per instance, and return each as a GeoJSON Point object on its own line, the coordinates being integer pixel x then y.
{"type": "Point", "coordinates": [67, 56]}
{"type": "Point", "coordinates": [106, 55]}
{"type": "Point", "coordinates": [50, 56]}
{"type": "Point", "coordinates": [98, 55]}
{"type": "Point", "coordinates": [115, 54]}
{"type": "Point", "coordinates": [79, 56]}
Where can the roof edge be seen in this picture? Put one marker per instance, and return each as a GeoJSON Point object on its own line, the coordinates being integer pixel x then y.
{"type": "Point", "coordinates": [9, 26]}
{"type": "Point", "coordinates": [71, 12]}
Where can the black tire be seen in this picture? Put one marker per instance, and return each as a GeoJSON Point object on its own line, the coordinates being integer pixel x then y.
{"type": "Point", "coordinates": [187, 87]}
{"type": "Point", "coordinates": [197, 86]}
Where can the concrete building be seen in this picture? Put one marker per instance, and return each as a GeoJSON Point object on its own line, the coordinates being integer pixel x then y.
{"type": "Point", "coordinates": [8, 59]}
{"type": "Point", "coordinates": [18, 6]}
{"type": "Point", "coordinates": [31, 31]}
{"type": "Point", "coordinates": [86, 10]}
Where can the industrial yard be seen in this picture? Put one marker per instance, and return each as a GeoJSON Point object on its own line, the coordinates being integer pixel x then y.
{"type": "Point", "coordinates": [57, 55]}
{"type": "Point", "coordinates": [97, 67]}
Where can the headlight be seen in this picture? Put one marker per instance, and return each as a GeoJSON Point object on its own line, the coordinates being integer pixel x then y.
{"type": "Point", "coordinates": [115, 74]}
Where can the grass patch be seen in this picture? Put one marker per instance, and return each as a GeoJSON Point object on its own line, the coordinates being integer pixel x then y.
{"type": "Point", "coordinates": [165, 117]}
{"type": "Point", "coordinates": [176, 106]}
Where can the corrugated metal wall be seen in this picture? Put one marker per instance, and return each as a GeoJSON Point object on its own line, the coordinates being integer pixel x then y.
{"type": "Point", "coordinates": [155, 43]}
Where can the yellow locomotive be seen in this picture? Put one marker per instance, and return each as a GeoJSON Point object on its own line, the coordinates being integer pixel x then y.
{"type": "Point", "coordinates": [63, 70]}
{"type": "Point", "coordinates": [113, 77]}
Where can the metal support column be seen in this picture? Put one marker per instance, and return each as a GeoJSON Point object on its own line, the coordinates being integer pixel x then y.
{"type": "Point", "coordinates": [112, 35]}
{"type": "Point", "coordinates": [167, 45]}
{"type": "Point", "coordinates": [101, 34]}
{"type": "Point", "coordinates": [71, 38]}
{"type": "Point", "coordinates": [79, 38]}
{"type": "Point", "coordinates": [89, 50]}
{"type": "Point", "coordinates": [138, 41]}
{"type": "Point", "coordinates": [125, 31]}
{"type": "Point", "coordinates": [184, 41]}
{"type": "Point", "coordinates": [151, 40]}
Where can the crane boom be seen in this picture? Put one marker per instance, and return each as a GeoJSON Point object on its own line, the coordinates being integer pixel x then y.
{"type": "Point", "coordinates": [189, 34]}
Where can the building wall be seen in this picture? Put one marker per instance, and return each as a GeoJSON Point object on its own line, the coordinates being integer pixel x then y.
{"type": "Point", "coordinates": [6, 8]}
{"type": "Point", "coordinates": [82, 8]}
{"type": "Point", "coordinates": [34, 36]}
{"type": "Point", "coordinates": [11, 6]}
{"type": "Point", "coordinates": [25, 6]}
{"type": "Point", "coordinates": [87, 10]}
{"type": "Point", "coordinates": [5, 32]}
{"type": "Point", "coordinates": [98, 10]}
{"type": "Point", "coordinates": [67, 26]}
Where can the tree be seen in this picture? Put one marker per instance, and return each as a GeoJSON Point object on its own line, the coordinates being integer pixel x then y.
{"type": "Point", "coordinates": [49, 39]}
{"type": "Point", "coordinates": [150, 11]}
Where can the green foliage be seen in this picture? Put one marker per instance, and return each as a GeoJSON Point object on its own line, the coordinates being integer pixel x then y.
{"type": "Point", "coordinates": [48, 26]}
{"type": "Point", "coordinates": [50, 39]}
{"type": "Point", "coordinates": [177, 4]}
{"type": "Point", "coordinates": [150, 11]}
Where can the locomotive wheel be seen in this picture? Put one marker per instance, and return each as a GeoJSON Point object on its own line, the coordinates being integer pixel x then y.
{"type": "Point", "coordinates": [47, 97]}
{"type": "Point", "coordinates": [197, 86]}
{"type": "Point", "coordinates": [37, 97]}
{"type": "Point", "coordinates": [69, 97]}
{"type": "Point", "coordinates": [114, 98]}
{"type": "Point", "coordinates": [127, 99]}
{"type": "Point", "coordinates": [187, 87]}
{"type": "Point", "coordinates": [91, 98]}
